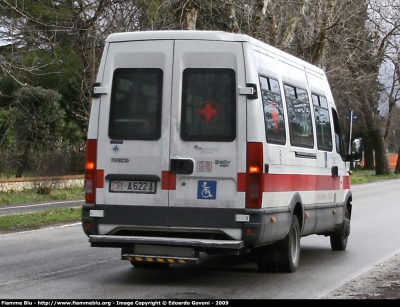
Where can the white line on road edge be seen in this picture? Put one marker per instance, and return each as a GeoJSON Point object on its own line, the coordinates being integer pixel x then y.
{"type": "Point", "coordinates": [44, 228]}
{"type": "Point", "coordinates": [43, 204]}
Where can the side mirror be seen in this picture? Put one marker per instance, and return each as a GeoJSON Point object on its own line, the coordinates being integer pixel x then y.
{"type": "Point", "coordinates": [356, 153]}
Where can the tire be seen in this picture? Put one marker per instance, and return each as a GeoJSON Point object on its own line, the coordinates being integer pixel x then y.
{"type": "Point", "coordinates": [338, 243]}
{"type": "Point", "coordinates": [339, 239]}
{"type": "Point", "coordinates": [289, 248]}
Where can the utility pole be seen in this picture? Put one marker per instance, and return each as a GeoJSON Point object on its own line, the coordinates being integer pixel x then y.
{"type": "Point", "coordinates": [351, 130]}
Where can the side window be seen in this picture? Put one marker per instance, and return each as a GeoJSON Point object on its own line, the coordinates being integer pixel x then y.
{"type": "Point", "coordinates": [339, 143]}
{"type": "Point", "coordinates": [136, 99]}
{"type": "Point", "coordinates": [299, 117]}
{"type": "Point", "coordinates": [322, 122]}
{"type": "Point", "coordinates": [208, 105]}
{"type": "Point", "coordinates": [273, 111]}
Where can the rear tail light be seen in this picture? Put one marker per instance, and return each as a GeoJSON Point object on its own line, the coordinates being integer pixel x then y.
{"type": "Point", "coordinates": [254, 175]}
{"type": "Point", "coordinates": [90, 172]}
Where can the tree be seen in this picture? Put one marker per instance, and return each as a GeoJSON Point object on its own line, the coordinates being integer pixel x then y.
{"type": "Point", "coordinates": [55, 45]}
{"type": "Point", "coordinates": [353, 64]}
{"type": "Point", "coordinates": [384, 22]}
{"type": "Point", "coordinates": [38, 122]}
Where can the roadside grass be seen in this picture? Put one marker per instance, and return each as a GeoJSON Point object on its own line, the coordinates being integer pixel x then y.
{"type": "Point", "coordinates": [365, 176]}
{"type": "Point", "coordinates": [35, 220]}
{"type": "Point", "coordinates": [37, 195]}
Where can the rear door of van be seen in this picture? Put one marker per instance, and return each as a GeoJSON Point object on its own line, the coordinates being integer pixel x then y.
{"type": "Point", "coordinates": [184, 154]}
{"type": "Point", "coordinates": [208, 129]}
{"type": "Point", "coordinates": [133, 151]}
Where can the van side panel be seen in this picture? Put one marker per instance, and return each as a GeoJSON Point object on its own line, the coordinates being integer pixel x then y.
{"type": "Point", "coordinates": [293, 169]}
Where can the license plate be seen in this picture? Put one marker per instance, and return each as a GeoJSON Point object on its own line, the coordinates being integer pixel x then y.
{"type": "Point", "coordinates": [146, 187]}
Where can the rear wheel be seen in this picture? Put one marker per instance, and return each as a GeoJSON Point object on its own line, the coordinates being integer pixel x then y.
{"type": "Point", "coordinates": [284, 255]}
{"type": "Point", "coordinates": [289, 248]}
{"type": "Point", "coordinates": [339, 243]}
{"type": "Point", "coordinates": [339, 239]}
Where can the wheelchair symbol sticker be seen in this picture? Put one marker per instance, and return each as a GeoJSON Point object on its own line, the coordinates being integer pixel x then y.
{"type": "Point", "coordinates": [206, 189]}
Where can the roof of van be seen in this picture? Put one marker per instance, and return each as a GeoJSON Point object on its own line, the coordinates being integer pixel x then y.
{"type": "Point", "coordinates": [200, 35]}
{"type": "Point", "coordinates": [178, 34]}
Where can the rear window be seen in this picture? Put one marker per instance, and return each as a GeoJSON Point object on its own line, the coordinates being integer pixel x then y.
{"type": "Point", "coordinates": [136, 99]}
{"type": "Point", "coordinates": [208, 105]}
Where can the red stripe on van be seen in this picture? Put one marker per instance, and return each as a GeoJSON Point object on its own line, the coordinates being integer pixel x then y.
{"type": "Point", "coordinates": [168, 181]}
{"type": "Point", "coordinates": [295, 182]}
{"type": "Point", "coordinates": [346, 182]}
{"type": "Point", "coordinates": [276, 182]}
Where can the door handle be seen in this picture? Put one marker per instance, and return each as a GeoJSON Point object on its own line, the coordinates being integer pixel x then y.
{"type": "Point", "coordinates": [181, 166]}
{"type": "Point", "coordinates": [335, 171]}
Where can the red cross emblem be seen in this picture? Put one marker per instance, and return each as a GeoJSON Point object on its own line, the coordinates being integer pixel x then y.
{"type": "Point", "coordinates": [208, 111]}
{"type": "Point", "coordinates": [275, 117]}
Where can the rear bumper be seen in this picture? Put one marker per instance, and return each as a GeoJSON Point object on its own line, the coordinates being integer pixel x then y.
{"type": "Point", "coordinates": [127, 241]}
{"type": "Point", "coordinates": [202, 228]}
{"type": "Point", "coordinates": [164, 250]}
